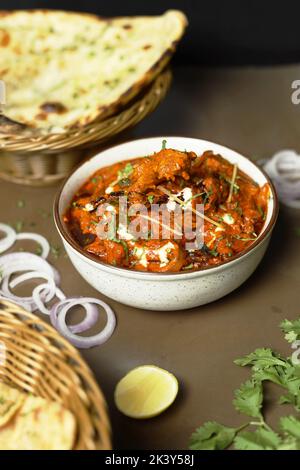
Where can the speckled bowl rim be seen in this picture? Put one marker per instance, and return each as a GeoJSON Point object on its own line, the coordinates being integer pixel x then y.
{"type": "Point", "coordinates": [131, 273]}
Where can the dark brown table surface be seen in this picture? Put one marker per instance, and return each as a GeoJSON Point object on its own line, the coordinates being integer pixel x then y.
{"type": "Point", "coordinates": [250, 110]}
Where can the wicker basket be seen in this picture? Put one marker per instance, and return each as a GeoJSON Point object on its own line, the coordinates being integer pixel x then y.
{"type": "Point", "coordinates": [38, 360]}
{"type": "Point", "coordinates": [43, 160]}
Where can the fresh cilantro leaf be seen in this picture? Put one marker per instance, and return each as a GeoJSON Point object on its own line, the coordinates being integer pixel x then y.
{"type": "Point", "coordinates": [212, 436]}
{"type": "Point", "coordinates": [249, 398]}
{"type": "Point", "coordinates": [286, 400]}
{"type": "Point", "coordinates": [291, 329]}
{"type": "Point", "coordinates": [151, 198]}
{"type": "Point", "coordinates": [273, 374]}
{"type": "Point", "coordinates": [261, 358]}
{"type": "Point", "coordinates": [261, 439]}
{"type": "Point", "coordinates": [289, 443]}
{"type": "Point", "coordinates": [290, 425]}
{"type": "Point", "coordinates": [124, 182]}
{"type": "Point", "coordinates": [291, 336]}
{"type": "Point", "coordinates": [163, 144]}
{"type": "Point", "coordinates": [266, 366]}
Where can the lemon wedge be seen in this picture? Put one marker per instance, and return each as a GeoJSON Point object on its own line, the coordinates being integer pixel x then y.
{"type": "Point", "coordinates": [145, 391]}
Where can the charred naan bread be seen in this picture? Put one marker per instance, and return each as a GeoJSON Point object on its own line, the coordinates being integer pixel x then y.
{"type": "Point", "coordinates": [65, 70]}
{"type": "Point", "coordinates": [36, 424]}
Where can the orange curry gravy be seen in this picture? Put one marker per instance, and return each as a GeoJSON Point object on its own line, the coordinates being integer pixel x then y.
{"type": "Point", "coordinates": [207, 179]}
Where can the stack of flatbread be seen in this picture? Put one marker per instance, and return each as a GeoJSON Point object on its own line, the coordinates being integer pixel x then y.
{"type": "Point", "coordinates": [64, 70]}
{"type": "Point", "coordinates": [33, 423]}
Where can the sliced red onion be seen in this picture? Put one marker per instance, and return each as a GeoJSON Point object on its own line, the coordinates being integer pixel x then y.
{"type": "Point", "coordinates": [44, 244]}
{"type": "Point", "coordinates": [91, 341]}
{"type": "Point", "coordinates": [49, 288]}
{"type": "Point", "coordinates": [284, 169]}
{"type": "Point", "coordinates": [88, 322]}
{"type": "Point", "coordinates": [44, 293]}
{"type": "Point", "coordinates": [18, 262]}
{"type": "Point", "coordinates": [23, 261]}
{"type": "Point", "coordinates": [32, 267]}
{"type": "Point", "coordinates": [9, 239]}
{"type": "Point", "coordinates": [49, 292]}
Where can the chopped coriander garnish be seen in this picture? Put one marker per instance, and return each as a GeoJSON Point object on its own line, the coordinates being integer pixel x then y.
{"type": "Point", "coordinates": [19, 225]}
{"type": "Point", "coordinates": [55, 251]}
{"type": "Point", "coordinates": [124, 182]}
{"type": "Point", "coordinates": [151, 198]}
{"type": "Point", "coordinates": [248, 239]}
{"type": "Point", "coordinates": [189, 266]}
{"type": "Point", "coordinates": [262, 214]}
{"type": "Point", "coordinates": [96, 179]}
{"type": "Point", "coordinates": [207, 195]}
{"type": "Point", "coordinates": [214, 252]}
{"type": "Point", "coordinates": [194, 197]}
{"type": "Point", "coordinates": [20, 203]}
{"type": "Point", "coordinates": [163, 144]}
{"type": "Point", "coordinates": [123, 243]}
{"type": "Point", "coordinates": [126, 171]}
{"type": "Point", "coordinates": [39, 251]}
{"type": "Point", "coordinates": [43, 213]}
{"type": "Point", "coordinates": [235, 185]}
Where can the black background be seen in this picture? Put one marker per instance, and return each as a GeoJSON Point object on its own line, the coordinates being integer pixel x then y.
{"type": "Point", "coordinates": [220, 32]}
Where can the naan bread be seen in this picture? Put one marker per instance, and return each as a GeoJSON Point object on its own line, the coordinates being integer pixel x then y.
{"type": "Point", "coordinates": [66, 69]}
{"type": "Point", "coordinates": [39, 425]}
{"type": "Point", "coordinates": [11, 400]}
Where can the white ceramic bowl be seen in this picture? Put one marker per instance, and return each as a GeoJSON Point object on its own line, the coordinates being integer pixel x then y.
{"type": "Point", "coordinates": [163, 291]}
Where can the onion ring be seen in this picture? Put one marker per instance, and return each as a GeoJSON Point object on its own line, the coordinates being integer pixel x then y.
{"type": "Point", "coordinates": [91, 341]}
{"type": "Point", "coordinates": [44, 244]}
{"type": "Point", "coordinates": [284, 169]}
{"type": "Point", "coordinates": [88, 322]}
{"type": "Point", "coordinates": [39, 299]}
{"type": "Point", "coordinates": [18, 262]}
{"type": "Point", "coordinates": [51, 287]}
{"type": "Point", "coordinates": [9, 239]}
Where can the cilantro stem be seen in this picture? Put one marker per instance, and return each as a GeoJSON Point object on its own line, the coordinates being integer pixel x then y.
{"type": "Point", "coordinates": [243, 426]}
{"type": "Point", "coordinates": [261, 423]}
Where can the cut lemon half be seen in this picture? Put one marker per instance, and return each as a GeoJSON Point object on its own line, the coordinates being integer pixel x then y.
{"type": "Point", "coordinates": [145, 391]}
